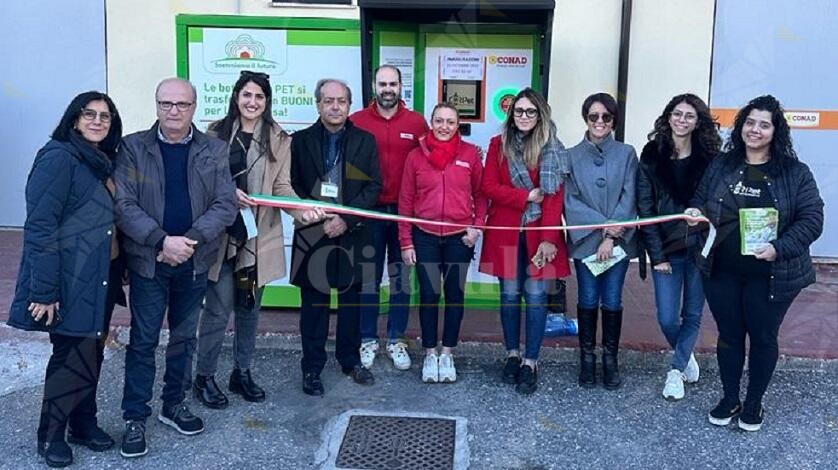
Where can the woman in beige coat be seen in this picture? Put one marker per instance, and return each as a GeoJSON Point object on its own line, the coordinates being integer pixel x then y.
{"type": "Point", "coordinates": [259, 163]}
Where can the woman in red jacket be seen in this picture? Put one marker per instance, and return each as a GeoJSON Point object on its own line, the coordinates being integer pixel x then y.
{"type": "Point", "coordinates": [523, 184]}
{"type": "Point", "coordinates": [441, 182]}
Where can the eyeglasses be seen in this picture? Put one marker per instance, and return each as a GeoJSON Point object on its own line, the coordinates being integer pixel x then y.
{"type": "Point", "coordinates": [606, 117]}
{"type": "Point", "coordinates": [689, 117]}
{"type": "Point", "coordinates": [167, 105]}
{"type": "Point", "coordinates": [90, 115]}
{"type": "Point", "coordinates": [530, 112]}
{"type": "Point", "coordinates": [248, 74]}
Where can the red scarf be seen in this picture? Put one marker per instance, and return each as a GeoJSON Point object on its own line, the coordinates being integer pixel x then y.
{"type": "Point", "coordinates": [442, 153]}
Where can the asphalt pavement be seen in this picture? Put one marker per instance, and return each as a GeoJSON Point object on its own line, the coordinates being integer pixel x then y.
{"type": "Point", "coordinates": [561, 426]}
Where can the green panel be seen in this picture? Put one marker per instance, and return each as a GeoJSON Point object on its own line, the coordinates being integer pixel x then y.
{"type": "Point", "coordinates": [230, 21]}
{"type": "Point", "coordinates": [480, 41]}
{"type": "Point", "coordinates": [189, 28]}
{"type": "Point", "coordinates": [397, 38]}
{"type": "Point", "coordinates": [182, 60]}
{"type": "Point", "coordinates": [536, 63]}
{"type": "Point", "coordinates": [323, 38]}
{"type": "Point", "coordinates": [419, 76]}
{"type": "Point", "coordinates": [479, 296]}
{"type": "Point", "coordinates": [196, 34]}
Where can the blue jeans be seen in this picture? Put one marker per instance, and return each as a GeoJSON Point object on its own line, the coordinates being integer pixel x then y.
{"type": "Point", "coordinates": [178, 290]}
{"type": "Point", "coordinates": [385, 239]}
{"type": "Point", "coordinates": [534, 292]}
{"type": "Point", "coordinates": [441, 260]}
{"type": "Point", "coordinates": [679, 321]}
{"type": "Point", "coordinates": [605, 290]}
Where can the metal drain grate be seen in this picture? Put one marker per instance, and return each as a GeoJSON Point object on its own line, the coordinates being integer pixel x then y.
{"type": "Point", "coordinates": [396, 442]}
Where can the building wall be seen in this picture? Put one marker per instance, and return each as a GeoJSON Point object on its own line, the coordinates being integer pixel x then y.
{"type": "Point", "coordinates": [141, 44]}
{"type": "Point", "coordinates": [584, 59]}
{"type": "Point", "coordinates": [54, 51]}
{"type": "Point", "coordinates": [666, 58]}
{"type": "Point", "coordinates": [585, 52]}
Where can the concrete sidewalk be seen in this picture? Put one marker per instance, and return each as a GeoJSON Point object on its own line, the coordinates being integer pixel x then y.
{"type": "Point", "coordinates": [561, 426]}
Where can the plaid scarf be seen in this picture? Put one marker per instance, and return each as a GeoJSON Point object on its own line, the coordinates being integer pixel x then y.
{"type": "Point", "coordinates": [549, 173]}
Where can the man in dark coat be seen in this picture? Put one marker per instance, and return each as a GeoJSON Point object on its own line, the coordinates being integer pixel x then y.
{"type": "Point", "coordinates": [174, 198]}
{"type": "Point", "coordinates": [333, 161]}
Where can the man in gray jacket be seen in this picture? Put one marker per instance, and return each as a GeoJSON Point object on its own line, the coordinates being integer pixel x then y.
{"type": "Point", "coordinates": [174, 197]}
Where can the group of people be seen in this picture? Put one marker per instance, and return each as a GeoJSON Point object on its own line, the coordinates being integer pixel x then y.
{"type": "Point", "coordinates": [168, 211]}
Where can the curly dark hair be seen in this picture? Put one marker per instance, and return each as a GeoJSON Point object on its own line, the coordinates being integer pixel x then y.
{"type": "Point", "coordinates": [704, 138]}
{"type": "Point", "coordinates": [782, 150]}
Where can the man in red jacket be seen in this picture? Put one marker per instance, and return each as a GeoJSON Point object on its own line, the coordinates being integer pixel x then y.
{"type": "Point", "coordinates": [397, 131]}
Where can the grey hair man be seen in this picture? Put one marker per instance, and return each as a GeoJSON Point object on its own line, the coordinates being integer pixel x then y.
{"type": "Point", "coordinates": [174, 198]}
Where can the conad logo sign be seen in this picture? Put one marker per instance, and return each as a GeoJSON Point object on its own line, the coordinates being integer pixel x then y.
{"type": "Point", "coordinates": [820, 120]}
{"type": "Point", "coordinates": [507, 60]}
{"type": "Point", "coordinates": [803, 119]}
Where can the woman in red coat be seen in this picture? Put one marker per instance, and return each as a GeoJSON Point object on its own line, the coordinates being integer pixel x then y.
{"type": "Point", "coordinates": [522, 181]}
{"type": "Point", "coordinates": [441, 182]}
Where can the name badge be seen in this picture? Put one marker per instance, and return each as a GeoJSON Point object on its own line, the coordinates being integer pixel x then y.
{"type": "Point", "coordinates": [462, 163]}
{"type": "Point", "coordinates": [405, 135]}
{"type": "Point", "coordinates": [329, 190]}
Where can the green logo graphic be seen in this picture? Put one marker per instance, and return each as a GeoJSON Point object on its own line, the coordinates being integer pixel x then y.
{"type": "Point", "coordinates": [244, 51]}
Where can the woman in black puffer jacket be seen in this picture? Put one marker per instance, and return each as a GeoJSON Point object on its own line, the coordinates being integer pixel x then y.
{"type": "Point", "coordinates": [680, 147]}
{"type": "Point", "coordinates": [749, 294]}
{"type": "Point", "coordinates": [66, 284]}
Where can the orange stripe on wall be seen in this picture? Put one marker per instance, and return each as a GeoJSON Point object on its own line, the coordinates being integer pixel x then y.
{"type": "Point", "coordinates": [797, 119]}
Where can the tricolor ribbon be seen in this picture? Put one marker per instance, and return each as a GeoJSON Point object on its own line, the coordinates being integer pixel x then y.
{"type": "Point", "coordinates": [283, 202]}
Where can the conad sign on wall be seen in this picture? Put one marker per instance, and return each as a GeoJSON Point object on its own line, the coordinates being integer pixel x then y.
{"type": "Point", "coordinates": [787, 50]}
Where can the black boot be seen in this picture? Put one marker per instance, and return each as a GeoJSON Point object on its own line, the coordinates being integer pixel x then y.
{"type": "Point", "coordinates": [57, 453]}
{"type": "Point", "coordinates": [242, 383]}
{"type": "Point", "coordinates": [587, 318]}
{"type": "Point", "coordinates": [207, 392]}
{"type": "Point", "coordinates": [612, 322]}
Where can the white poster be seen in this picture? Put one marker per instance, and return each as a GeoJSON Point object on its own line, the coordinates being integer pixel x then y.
{"type": "Point", "coordinates": [293, 60]}
{"type": "Point", "coordinates": [401, 57]}
{"type": "Point", "coordinates": [462, 64]}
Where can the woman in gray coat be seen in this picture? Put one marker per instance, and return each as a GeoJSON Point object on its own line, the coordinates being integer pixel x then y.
{"type": "Point", "coordinates": [600, 188]}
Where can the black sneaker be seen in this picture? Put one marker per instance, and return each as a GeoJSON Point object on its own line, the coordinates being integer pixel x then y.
{"type": "Point", "coordinates": [179, 417]}
{"type": "Point", "coordinates": [751, 419]}
{"type": "Point", "coordinates": [511, 370]}
{"type": "Point", "coordinates": [92, 437]}
{"type": "Point", "coordinates": [133, 441]}
{"type": "Point", "coordinates": [527, 380]}
{"type": "Point", "coordinates": [724, 412]}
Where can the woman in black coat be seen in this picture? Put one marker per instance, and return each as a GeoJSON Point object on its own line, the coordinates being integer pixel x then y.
{"type": "Point", "coordinates": [66, 285]}
{"type": "Point", "coordinates": [683, 142]}
{"type": "Point", "coordinates": [752, 277]}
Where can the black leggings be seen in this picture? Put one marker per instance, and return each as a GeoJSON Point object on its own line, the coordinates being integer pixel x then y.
{"type": "Point", "coordinates": [72, 379]}
{"type": "Point", "coordinates": [741, 307]}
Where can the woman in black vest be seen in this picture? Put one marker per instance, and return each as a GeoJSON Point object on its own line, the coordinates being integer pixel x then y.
{"type": "Point", "coordinates": [752, 277]}
{"type": "Point", "coordinates": [66, 285]}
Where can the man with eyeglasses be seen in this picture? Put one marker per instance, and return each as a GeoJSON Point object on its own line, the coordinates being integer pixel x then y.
{"type": "Point", "coordinates": [174, 198]}
{"type": "Point", "coordinates": [334, 161]}
{"type": "Point", "coordinates": [397, 130]}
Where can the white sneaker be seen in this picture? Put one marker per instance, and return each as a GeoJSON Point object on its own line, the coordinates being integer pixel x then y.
{"type": "Point", "coordinates": [674, 387]}
{"type": "Point", "coordinates": [398, 353]}
{"type": "Point", "coordinates": [430, 369]}
{"type": "Point", "coordinates": [447, 371]}
{"type": "Point", "coordinates": [368, 351]}
{"type": "Point", "coordinates": [691, 371]}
